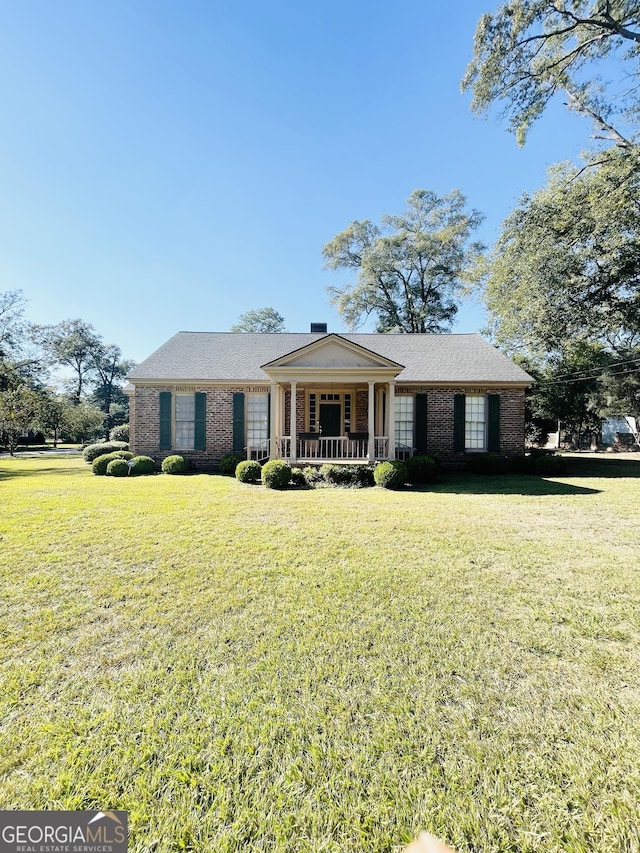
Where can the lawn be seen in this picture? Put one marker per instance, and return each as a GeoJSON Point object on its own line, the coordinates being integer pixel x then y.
{"type": "Point", "coordinates": [329, 670]}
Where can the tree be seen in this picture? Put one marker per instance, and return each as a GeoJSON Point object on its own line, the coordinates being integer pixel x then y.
{"type": "Point", "coordinates": [17, 366]}
{"type": "Point", "coordinates": [110, 370]}
{"type": "Point", "coordinates": [621, 384]}
{"type": "Point", "coordinates": [84, 422]}
{"type": "Point", "coordinates": [569, 388]}
{"type": "Point", "coordinates": [55, 413]}
{"type": "Point", "coordinates": [11, 322]}
{"type": "Point", "coordinates": [566, 267]}
{"type": "Point", "coordinates": [531, 50]}
{"type": "Point", "coordinates": [260, 320]}
{"type": "Point", "coordinates": [410, 268]}
{"type": "Point", "coordinates": [18, 414]}
{"type": "Point", "coordinates": [72, 343]}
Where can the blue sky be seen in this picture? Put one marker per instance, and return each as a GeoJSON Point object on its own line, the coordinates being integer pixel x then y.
{"type": "Point", "coordinates": [166, 166]}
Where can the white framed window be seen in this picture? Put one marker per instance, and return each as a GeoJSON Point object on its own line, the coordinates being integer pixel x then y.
{"type": "Point", "coordinates": [475, 422]}
{"type": "Point", "coordinates": [404, 420]}
{"type": "Point", "coordinates": [257, 418]}
{"type": "Point", "coordinates": [185, 421]}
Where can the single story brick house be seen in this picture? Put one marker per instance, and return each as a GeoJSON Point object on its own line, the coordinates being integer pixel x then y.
{"type": "Point", "coordinates": [316, 397]}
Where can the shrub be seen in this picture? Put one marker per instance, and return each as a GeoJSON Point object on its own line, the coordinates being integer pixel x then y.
{"type": "Point", "coordinates": [390, 475]}
{"type": "Point", "coordinates": [297, 477]}
{"type": "Point", "coordinates": [142, 465]}
{"type": "Point", "coordinates": [117, 468]}
{"type": "Point", "coordinates": [92, 451]}
{"type": "Point", "coordinates": [550, 465]}
{"type": "Point", "coordinates": [335, 474]}
{"type": "Point", "coordinates": [230, 462]}
{"type": "Point", "coordinates": [119, 433]}
{"type": "Point", "coordinates": [276, 474]}
{"type": "Point", "coordinates": [248, 471]}
{"type": "Point", "coordinates": [100, 463]}
{"type": "Point", "coordinates": [311, 475]}
{"type": "Point", "coordinates": [522, 464]}
{"type": "Point", "coordinates": [174, 465]}
{"type": "Point", "coordinates": [347, 476]}
{"type": "Point", "coordinates": [422, 468]}
{"type": "Point", "coordinates": [487, 463]}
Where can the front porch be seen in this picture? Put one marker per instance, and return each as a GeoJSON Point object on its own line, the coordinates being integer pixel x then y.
{"type": "Point", "coordinates": [330, 401]}
{"type": "Point", "coordinates": [314, 449]}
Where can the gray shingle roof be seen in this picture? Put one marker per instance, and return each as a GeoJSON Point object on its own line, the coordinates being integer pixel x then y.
{"type": "Point", "coordinates": [233, 357]}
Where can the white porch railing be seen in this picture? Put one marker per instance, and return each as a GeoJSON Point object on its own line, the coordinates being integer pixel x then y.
{"type": "Point", "coordinates": [329, 448]}
{"type": "Point", "coordinates": [382, 447]}
{"type": "Point", "coordinates": [259, 451]}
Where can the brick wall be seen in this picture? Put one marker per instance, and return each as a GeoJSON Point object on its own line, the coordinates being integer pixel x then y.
{"type": "Point", "coordinates": [145, 420]}
{"type": "Point", "coordinates": [145, 439]}
{"type": "Point", "coordinates": [440, 420]}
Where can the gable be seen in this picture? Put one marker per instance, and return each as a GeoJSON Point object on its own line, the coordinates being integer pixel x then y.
{"type": "Point", "coordinates": [333, 351]}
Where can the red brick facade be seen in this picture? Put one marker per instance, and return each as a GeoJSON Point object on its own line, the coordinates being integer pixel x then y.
{"type": "Point", "coordinates": [145, 418]}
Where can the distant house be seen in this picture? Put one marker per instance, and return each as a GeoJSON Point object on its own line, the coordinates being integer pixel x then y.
{"type": "Point", "coordinates": [315, 397]}
{"type": "Point", "coordinates": [619, 431]}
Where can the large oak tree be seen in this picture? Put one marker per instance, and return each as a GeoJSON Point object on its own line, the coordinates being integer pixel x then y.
{"type": "Point", "coordinates": [410, 268]}
{"type": "Point", "coordinates": [529, 51]}
{"type": "Point", "coordinates": [566, 267]}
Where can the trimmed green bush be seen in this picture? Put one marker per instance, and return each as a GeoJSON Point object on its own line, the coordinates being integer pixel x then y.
{"type": "Point", "coordinates": [119, 433]}
{"type": "Point", "coordinates": [487, 463]}
{"type": "Point", "coordinates": [230, 462]}
{"type": "Point", "coordinates": [390, 475]}
{"type": "Point", "coordinates": [422, 468]}
{"type": "Point", "coordinates": [248, 471]}
{"type": "Point", "coordinates": [523, 463]}
{"type": "Point", "coordinates": [336, 475]}
{"type": "Point", "coordinates": [347, 476]}
{"type": "Point", "coordinates": [174, 465]}
{"type": "Point", "coordinates": [117, 468]}
{"type": "Point", "coordinates": [276, 474]}
{"type": "Point", "coordinates": [92, 451]}
{"type": "Point", "coordinates": [142, 465]}
{"type": "Point", "coordinates": [100, 463]}
{"type": "Point", "coordinates": [297, 477]}
{"type": "Point", "coordinates": [311, 475]}
{"type": "Point", "coordinates": [553, 466]}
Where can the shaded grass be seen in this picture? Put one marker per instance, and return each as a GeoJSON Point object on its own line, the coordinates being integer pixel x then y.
{"type": "Point", "coordinates": [323, 670]}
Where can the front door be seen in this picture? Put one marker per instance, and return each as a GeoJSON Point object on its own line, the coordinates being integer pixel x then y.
{"type": "Point", "coordinates": [330, 419]}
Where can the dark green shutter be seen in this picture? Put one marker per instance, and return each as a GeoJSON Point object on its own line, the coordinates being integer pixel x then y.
{"type": "Point", "coordinates": [458, 422]}
{"type": "Point", "coordinates": [493, 430]}
{"type": "Point", "coordinates": [165, 420]}
{"type": "Point", "coordinates": [421, 423]}
{"type": "Point", "coordinates": [200, 437]}
{"type": "Point", "coordinates": [238, 422]}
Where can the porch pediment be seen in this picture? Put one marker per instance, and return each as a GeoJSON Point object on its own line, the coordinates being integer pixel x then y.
{"type": "Point", "coordinates": [332, 353]}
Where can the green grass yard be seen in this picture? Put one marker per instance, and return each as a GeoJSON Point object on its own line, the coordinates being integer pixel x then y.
{"type": "Point", "coordinates": [329, 670]}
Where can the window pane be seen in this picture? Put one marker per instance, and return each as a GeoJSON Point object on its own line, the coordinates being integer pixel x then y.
{"type": "Point", "coordinates": [185, 407]}
{"type": "Point", "coordinates": [404, 421]}
{"type": "Point", "coordinates": [257, 418]}
{"type": "Point", "coordinates": [185, 416]}
{"type": "Point", "coordinates": [474, 422]}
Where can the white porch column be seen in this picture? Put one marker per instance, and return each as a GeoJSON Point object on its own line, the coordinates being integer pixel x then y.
{"type": "Point", "coordinates": [371, 423]}
{"type": "Point", "coordinates": [273, 421]}
{"type": "Point", "coordinates": [293, 431]}
{"type": "Point", "coordinates": [391, 419]}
